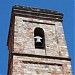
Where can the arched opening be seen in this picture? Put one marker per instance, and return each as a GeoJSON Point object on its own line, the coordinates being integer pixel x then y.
{"type": "Point", "coordinates": [39, 38]}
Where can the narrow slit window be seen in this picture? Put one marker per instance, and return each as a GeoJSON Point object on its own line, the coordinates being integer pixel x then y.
{"type": "Point", "coordinates": [39, 38]}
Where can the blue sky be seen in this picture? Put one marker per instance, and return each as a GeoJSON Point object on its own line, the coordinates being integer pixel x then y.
{"type": "Point", "coordinates": [64, 6]}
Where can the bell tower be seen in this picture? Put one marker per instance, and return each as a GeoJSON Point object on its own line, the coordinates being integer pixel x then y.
{"type": "Point", "coordinates": [36, 43]}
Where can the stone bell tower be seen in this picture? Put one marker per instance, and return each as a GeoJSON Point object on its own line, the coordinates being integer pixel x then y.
{"type": "Point", "coordinates": [36, 43]}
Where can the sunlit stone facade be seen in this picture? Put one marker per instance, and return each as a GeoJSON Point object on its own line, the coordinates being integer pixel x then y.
{"type": "Point", "coordinates": [24, 58]}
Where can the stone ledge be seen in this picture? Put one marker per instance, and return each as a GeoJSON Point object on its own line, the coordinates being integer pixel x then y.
{"type": "Point", "coordinates": [37, 10]}
{"type": "Point", "coordinates": [44, 63]}
{"type": "Point", "coordinates": [37, 13]}
{"type": "Point", "coordinates": [32, 21]}
{"type": "Point", "coordinates": [42, 56]}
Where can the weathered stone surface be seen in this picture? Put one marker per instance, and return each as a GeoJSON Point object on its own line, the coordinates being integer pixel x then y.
{"type": "Point", "coordinates": [40, 69]}
{"type": "Point", "coordinates": [24, 43]}
{"type": "Point", "coordinates": [55, 45]}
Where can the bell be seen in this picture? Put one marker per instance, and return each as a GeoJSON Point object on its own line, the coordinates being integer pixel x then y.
{"type": "Point", "coordinates": [38, 39]}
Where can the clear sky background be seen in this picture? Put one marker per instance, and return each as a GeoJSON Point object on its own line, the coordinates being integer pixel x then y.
{"type": "Point", "coordinates": [64, 6]}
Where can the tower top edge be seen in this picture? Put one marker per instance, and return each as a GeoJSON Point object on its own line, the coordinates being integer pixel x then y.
{"type": "Point", "coordinates": [37, 13]}
{"type": "Point", "coordinates": [37, 9]}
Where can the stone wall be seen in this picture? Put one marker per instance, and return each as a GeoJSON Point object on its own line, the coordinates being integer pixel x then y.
{"type": "Point", "coordinates": [24, 57]}
{"type": "Point", "coordinates": [21, 67]}
{"type": "Point", "coordinates": [55, 44]}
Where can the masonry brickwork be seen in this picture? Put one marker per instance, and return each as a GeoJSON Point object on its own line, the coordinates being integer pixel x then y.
{"type": "Point", "coordinates": [24, 58]}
